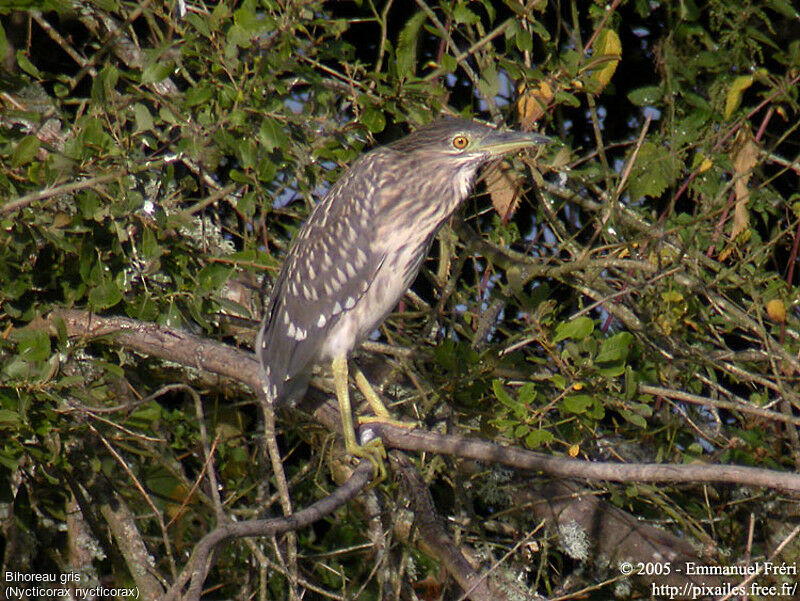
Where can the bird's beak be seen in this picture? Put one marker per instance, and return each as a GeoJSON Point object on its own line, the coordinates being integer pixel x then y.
{"type": "Point", "coordinates": [501, 142]}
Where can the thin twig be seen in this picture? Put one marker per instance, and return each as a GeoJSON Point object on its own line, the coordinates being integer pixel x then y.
{"type": "Point", "coordinates": [24, 201]}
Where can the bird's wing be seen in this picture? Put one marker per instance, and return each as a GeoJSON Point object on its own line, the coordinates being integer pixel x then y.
{"type": "Point", "coordinates": [328, 270]}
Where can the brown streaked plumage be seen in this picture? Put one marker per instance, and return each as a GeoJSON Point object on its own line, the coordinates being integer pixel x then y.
{"type": "Point", "coordinates": [362, 247]}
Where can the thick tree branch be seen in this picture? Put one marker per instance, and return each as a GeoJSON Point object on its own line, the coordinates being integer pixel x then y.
{"type": "Point", "coordinates": [194, 351]}
{"type": "Point", "coordinates": [468, 448]}
{"type": "Point", "coordinates": [171, 344]}
{"type": "Point", "coordinates": [437, 540]}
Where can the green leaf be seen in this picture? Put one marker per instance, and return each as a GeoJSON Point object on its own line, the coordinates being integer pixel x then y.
{"type": "Point", "coordinates": [374, 120]}
{"type": "Point", "coordinates": [643, 409]}
{"type": "Point", "coordinates": [558, 381]}
{"type": "Point", "coordinates": [656, 168]}
{"type": "Point", "coordinates": [271, 135]}
{"type": "Point", "coordinates": [734, 97]}
{"type": "Point", "coordinates": [157, 71]}
{"type": "Point", "coordinates": [247, 19]}
{"type": "Point", "coordinates": [448, 63]}
{"type": "Point", "coordinates": [577, 329]}
{"type": "Point", "coordinates": [149, 246]}
{"type": "Point", "coordinates": [3, 41]}
{"type": "Point", "coordinates": [25, 151]}
{"type": "Point", "coordinates": [144, 120]}
{"type": "Point", "coordinates": [406, 54]}
{"type": "Point", "coordinates": [596, 411]}
{"type": "Point", "coordinates": [491, 11]}
{"type": "Point", "coordinates": [523, 40]}
{"type": "Point", "coordinates": [634, 418]}
{"type": "Point", "coordinates": [539, 29]}
{"type": "Point", "coordinates": [247, 153]}
{"type": "Point", "coordinates": [32, 345]}
{"type": "Point", "coordinates": [107, 5]}
{"type": "Point", "coordinates": [576, 403]}
{"type": "Point", "coordinates": [142, 308]}
{"type": "Point", "coordinates": [199, 94]}
{"type": "Point", "coordinates": [696, 100]}
{"type": "Point", "coordinates": [91, 141]}
{"type": "Point", "coordinates": [200, 23]}
{"type": "Point", "coordinates": [213, 276]}
{"type": "Point", "coordinates": [146, 415]}
{"type": "Point", "coordinates": [9, 417]}
{"type": "Point", "coordinates": [9, 462]}
{"type": "Point", "coordinates": [105, 295]}
{"type": "Point", "coordinates": [527, 393]}
{"type": "Point", "coordinates": [562, 97]}
{"type": "Point", "coordinates": [615, 348]}
{"type": "Point", "coordinates": [26, 65]}
{"type": "Point", "coordinates": [462, 14]}
{"type": "Point", "coordinates": [612, 370]}
{"type": "Point", "coordinates": [646, 95]}
{"type": "Point", "coordinates": [237, 36]}
{"type": "Point", "coordinates": [631, 385]}
{"type": "Point", "coordinates": [502, 396]}
{"type": "Point", "coordinates": [489, 83]}
{"type": "Point", "coordinates": [103, 85]}
{"type": "Point", "coordinates": [785, 8]}
{"type": "Point", "coordinates": [537, 438]}
{"type": "Point", "coordinates": [111, 369]}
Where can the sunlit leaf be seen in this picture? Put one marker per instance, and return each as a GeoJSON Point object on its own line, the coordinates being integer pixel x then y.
{"type": "Point", "coordinates": [577, 329]}
{"type": "Point", "coordinates": [406, 54]}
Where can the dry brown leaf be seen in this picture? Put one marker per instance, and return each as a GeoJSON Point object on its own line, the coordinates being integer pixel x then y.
{"type": "Point", "coordinates": [504, 186]}
{"type": "Point", "coordinates": [743, 163]}
{"type": "Point", "coordinates": [533, 103]}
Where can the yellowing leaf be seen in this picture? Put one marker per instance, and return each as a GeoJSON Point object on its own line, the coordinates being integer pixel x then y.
{"type": "Point", "coordinates": [672, 296]}
{"type": "Point", "coordinates": [574, 450]}
{"type": "Point", "coordinates": [745, 159]}
{"type": "Point", "coordinates": [609, 50]}
{"type": "Point", "coordinates": [561, 160]}
{"type": "Point", "coordinates": [776, 309]}
{"type": "Point", "coordinates": [533, 103]}
{"type": "Point", "coordinates": [734, 97]}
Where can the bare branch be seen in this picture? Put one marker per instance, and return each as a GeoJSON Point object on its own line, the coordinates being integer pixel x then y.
{"type": "Point", "coordinates": [198, 567]}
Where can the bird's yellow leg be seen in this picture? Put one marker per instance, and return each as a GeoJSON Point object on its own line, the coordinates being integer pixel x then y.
{"type": "Point", "coordinates": [373, 450]}
{"type": "Point", "coordinates": [381, 412]}
{"type": "Point", "coordinates": [369, 393]}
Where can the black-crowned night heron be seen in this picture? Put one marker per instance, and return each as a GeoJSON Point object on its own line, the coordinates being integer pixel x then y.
{"type": "Point", "coordinates": [361, 249]}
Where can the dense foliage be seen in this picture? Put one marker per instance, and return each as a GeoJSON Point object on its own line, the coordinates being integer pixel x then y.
{"type": "Point", "coordinates": [632, 296]}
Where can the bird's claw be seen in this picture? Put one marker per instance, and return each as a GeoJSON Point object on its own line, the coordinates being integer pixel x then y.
{"type": "Point", "coordinates": [376, 453]}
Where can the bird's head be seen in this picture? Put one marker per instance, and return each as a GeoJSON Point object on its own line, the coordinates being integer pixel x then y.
{"type": "Point", "coordinates": [439, 161]}
{"type": "Point", "coordinates": [460, 141]}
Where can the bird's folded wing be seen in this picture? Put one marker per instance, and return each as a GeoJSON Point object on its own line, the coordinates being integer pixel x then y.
{"type": "Point", "coordinates": [326, 275]}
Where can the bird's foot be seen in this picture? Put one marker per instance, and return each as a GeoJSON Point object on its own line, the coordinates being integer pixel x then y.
{"type": "Point", "coordinates": [373, 449]}
{"type": "Point", "coordinates": [375, 452]}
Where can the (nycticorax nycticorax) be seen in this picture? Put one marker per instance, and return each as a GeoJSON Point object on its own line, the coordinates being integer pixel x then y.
{"type": "Point", "coordinates": [361, 249]}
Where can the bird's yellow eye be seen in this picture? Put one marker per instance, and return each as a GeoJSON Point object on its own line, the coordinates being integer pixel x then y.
{"type": "Point", "coordinates": [460, 142]}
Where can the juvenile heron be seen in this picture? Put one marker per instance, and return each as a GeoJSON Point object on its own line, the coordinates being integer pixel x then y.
{"type": "Point", "coordinates": [361, 249]}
